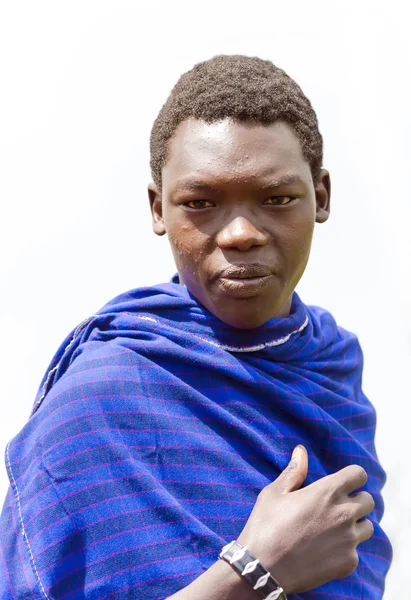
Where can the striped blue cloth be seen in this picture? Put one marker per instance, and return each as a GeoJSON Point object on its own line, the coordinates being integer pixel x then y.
{"type": "Point", "coordinates": [154, 429]}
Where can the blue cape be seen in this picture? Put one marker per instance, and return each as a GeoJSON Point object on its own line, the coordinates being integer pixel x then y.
{"type": "Point", "coordinates": [155, 428]}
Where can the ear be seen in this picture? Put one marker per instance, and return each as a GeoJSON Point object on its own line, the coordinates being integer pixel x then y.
{"type": "Point", "coordinates": [322, 196]}
{"type": "Point", "coordinates": [156, 207]}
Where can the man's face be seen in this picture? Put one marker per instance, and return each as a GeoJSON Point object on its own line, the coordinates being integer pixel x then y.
{"type": "Point", "coordinates": [239, 205]}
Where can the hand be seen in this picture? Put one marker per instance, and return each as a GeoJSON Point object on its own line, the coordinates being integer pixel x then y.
{"type": "Point", "coordinates": [306, 537]}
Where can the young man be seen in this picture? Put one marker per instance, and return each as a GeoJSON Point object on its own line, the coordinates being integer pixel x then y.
{"type": "Point", "coordinates": [163, 429]}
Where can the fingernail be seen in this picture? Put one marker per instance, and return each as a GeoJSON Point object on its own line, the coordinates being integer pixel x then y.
{"type": "Point", "coordinates": [296, 452]}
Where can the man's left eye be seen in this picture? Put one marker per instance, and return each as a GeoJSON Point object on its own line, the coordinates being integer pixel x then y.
{"type": "Point", "coordinates": [279, 200]}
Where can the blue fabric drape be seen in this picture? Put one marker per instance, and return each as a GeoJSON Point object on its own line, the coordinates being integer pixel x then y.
{"type": "Point", "coordinates": [154, 429]}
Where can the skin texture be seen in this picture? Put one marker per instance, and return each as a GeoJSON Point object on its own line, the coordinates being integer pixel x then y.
{"type": "Point", "coordinates": [239, 205]}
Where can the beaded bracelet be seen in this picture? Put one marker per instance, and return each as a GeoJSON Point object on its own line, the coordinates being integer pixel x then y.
{"type": "Point", "coordinates": [252, 571]}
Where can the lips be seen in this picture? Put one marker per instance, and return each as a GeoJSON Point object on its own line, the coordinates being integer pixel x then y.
{"type": "Point", "coordinates": [246, 271]}
{"type": "Point", "coordinates": [245, 281]}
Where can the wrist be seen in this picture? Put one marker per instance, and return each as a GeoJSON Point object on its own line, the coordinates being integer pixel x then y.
{"type": "Point", "coordinates": [219, 582]}
{"type": "Point", "coordinates": [251, 569]}
{"type": "Point", "coordinates": [239, 588]}
{"type": "Point", "coordinates": [277, 563]}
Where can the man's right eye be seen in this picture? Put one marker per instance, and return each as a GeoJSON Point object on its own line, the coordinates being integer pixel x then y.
{"type": "Point", "coordinates": [199, 204]}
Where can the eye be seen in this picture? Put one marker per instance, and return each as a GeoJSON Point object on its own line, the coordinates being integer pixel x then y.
{"type": "Point", "coordinates": [279, 200]}
{"type": "Point", "coordinates": [199, 204]}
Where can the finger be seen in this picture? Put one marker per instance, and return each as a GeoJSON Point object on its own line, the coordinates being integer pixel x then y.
{"type": "Point", "coordinates": [350, 478]}
{"type": "Point", "coordinates": [363, 502]}
{"type": "Point", "coordinates": [295, 473]}
{"type": "Point", "coordinates": [364, 530]}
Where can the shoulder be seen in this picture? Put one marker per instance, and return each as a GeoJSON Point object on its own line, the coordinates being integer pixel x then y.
{"type": "Point", "coordinates": [63, 459]}
{"type": "Point", "coordinates": [85, 400]}
{"type": "Point", "coordinates": [323, 321]}
{"type": "Point", "coordinates": [336, 348]}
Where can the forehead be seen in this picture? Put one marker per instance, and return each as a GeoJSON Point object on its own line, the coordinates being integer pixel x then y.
{"type": "Point", "coordinates": [236, 151]}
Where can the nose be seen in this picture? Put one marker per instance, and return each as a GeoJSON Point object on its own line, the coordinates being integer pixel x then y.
{"type": "Point", "coordinates": [241, 234]}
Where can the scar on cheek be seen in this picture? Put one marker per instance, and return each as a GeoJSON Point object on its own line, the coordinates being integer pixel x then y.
{"type": "Point", "coordinates": [181, 247]}
{"type": "Point", "coordinates": [196, 256]}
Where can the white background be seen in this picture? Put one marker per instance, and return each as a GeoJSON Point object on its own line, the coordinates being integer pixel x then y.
{"type": "Point", "coordinates": [80, 85]}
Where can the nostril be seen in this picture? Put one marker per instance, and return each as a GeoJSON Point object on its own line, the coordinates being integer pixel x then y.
{"type": "Point", "coordinates": [241, 234]}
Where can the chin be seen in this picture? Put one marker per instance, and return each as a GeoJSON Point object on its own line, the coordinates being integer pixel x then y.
{"type": "Point", "coordinates": [239, 323]}
{"type": "Point", "coordinates": [244, 317]}
{"type": "Point", "coordinates": [245, 312]}
{"type": "Point", "coordinates": [250, 313]}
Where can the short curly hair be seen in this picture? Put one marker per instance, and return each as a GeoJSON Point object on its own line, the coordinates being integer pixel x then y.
{"type": "Point", "coordinates": [244, 88]}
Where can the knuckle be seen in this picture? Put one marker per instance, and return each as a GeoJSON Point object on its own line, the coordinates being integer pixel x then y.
{"type": "Point", "coordinates": [365, 501]}
{"type": "Point", "coordinates": [347, 565]}
{"type": "Point", "coordinates": [343, 515]}
{"type": "Point", "coordinates": [291, 468]}
{"type": "Point", "coordinates": [293, 463]}
{"type": "Point", "coordinates": [351, 563]}
{"type": "Point", "coordinates": [352, 536]}
{"type": "Point", "coordinates": [369, 526]}
{"type": "Point", "coordinates": [349, 537]}
{"type": "Point", "coordinates": [329, 489]}
{"type": "Point", "coordinates": [359, 472]}
{"type": "Point", "coordinates": [369, 501]}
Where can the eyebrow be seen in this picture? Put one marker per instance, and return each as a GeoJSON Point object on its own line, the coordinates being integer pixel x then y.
{"type": "Point", "coordinates": [284, 180]}
{"type": "Point", "coordinates": [194, 185]}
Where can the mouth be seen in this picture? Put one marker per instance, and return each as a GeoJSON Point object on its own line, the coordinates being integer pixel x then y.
{"type": "Point", "coordinates": [245, 281]}
{"type": "Point", "coordinates": [246, 271]}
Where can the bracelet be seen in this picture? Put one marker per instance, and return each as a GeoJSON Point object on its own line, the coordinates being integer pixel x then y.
{"type": "Point", "coordinates": [252, 571]}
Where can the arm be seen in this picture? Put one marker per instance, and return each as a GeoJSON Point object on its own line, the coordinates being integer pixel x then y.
{"type": "Point", "coordinates": [311, 540]}
{"type": "Point", "coordinates": [219, 582]}
{"type": "Point", "coordinates": [304, 537]}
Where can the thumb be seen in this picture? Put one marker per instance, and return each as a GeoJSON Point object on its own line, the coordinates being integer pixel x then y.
{"type": "Point", "coordinates": [295, 472]}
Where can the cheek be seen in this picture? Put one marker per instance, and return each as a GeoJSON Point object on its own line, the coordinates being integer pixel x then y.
{"type": "Point", "coordinates": [189, 245]}
{"type": "Point", "coordinates": [181, 240]}
{"type": "Point", "coordinates": [296, 240]}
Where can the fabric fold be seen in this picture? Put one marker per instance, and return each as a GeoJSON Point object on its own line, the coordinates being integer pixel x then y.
{"type": "Point", "coordinates": [153, 431]}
